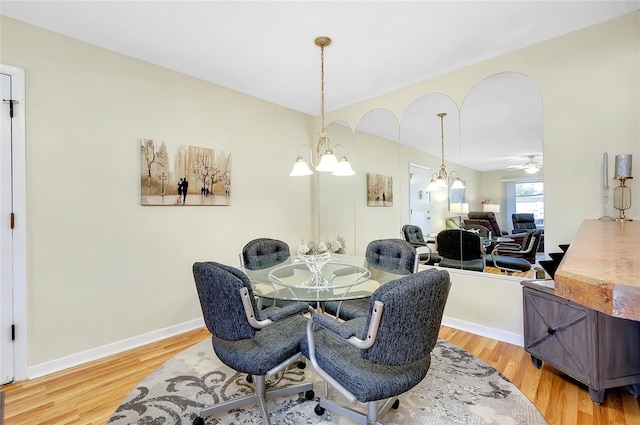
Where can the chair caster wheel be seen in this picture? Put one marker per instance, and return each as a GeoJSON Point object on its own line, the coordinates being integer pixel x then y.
{"type": "Point", "coordinates": [302, 365]}
{"type": "Point", "coordinates": [198, 421]}
{"type": "Point", "coordinates": [309, 395]}
{"type": "Point", "coordinates": [249, 380]}
{"type": "Point", "coordinates": [319, 410]}
{"type": "Point", "coordinates": [395, 405]}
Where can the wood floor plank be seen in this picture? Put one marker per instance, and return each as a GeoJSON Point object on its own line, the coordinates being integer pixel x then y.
{"type": "Point", "coordinates": [89, 394]}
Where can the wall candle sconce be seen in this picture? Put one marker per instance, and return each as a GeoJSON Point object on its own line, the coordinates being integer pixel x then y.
{"type": "Point", "coordinates": [622, 193]}
{"type": "Point", "coordinates": [328, 161]}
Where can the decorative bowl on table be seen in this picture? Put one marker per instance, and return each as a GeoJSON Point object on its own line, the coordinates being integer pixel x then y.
{"type": "Point", "coordinates": [315, 263]}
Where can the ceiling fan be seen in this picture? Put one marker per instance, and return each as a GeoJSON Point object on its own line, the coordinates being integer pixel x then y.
{"type": "Point", "coordinates": [530, 167]}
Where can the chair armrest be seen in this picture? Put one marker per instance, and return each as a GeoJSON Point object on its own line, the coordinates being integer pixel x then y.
{"type": "Point", "coordinates": [289, 310]}
{"type": "Point", "coordinates": [349, 336]}
{"type": "Point", "coordinates": [334, 325]}
{"type": "Point", "coordinates": [507, 246]}
{"type": "Point", "coordinates": [516, 231]}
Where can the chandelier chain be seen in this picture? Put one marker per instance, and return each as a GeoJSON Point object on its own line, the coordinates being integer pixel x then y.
{"type": "Point", "coordinates": [322, 85]}
{"type": "Point", "coordinates": [443, 171]}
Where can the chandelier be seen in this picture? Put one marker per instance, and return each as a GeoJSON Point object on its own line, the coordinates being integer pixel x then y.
{"type": "Point", "coordinates": [439, 179]}
{"type": "Point", "coordinates": [328, 161]}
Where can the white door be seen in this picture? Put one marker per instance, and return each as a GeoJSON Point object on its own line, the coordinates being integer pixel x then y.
{"type": "Point", "coordinates": [13, 234]}
{"type": "Point", "coordinates": [6, 246]}
{"type": "Point", "coordinates": [419, 198]}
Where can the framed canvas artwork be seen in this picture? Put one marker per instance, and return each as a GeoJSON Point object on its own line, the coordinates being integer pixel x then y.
{"type": "Point", "coordinates": [379, 190]}
{"type": "Point", "coordinates": [184, 175]}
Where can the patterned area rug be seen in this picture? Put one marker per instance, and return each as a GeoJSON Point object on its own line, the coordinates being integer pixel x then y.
{"type": "Point", "coordinates": [459, 389]}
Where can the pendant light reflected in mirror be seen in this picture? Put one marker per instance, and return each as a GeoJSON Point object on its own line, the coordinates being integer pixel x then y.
{"type": "Point", "coordinates": [439, 180]}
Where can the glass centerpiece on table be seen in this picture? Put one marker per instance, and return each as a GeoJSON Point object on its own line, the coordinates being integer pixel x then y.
{"type": "Point", "coordinates": [316, 256]}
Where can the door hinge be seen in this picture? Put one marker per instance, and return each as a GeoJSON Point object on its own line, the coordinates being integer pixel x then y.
{"type": "Point", "coordinates": [11, 103]}
{"type": "Point", "coordinates": [13, 220]}
{"type": "Point", "coordinates": [13, 332]}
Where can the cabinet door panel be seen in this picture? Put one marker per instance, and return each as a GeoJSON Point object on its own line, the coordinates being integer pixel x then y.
{"type": "Point", "coordinates": [560, 333]}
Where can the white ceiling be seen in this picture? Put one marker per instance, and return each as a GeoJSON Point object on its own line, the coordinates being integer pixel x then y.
{"type": "Point", "coordinates": [266, 48]}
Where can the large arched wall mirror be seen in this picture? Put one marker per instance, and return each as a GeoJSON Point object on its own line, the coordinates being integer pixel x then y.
{"type": "Point", "coordinates": [379, 196]}
{"type": "Point", "coordinates": [501, 131]}
{"type": "Point", "coordinates": [422, 133]}
{"type": "Point", "coordinates": [336, 195]}
{"type": "Point", "coordinates": [500, 119]}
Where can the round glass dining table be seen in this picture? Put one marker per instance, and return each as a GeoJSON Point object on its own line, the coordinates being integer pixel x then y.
{"type": "Point", "coordinates": [345, 277]}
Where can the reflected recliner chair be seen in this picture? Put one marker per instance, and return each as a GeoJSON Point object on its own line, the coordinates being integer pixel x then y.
{"type": "Point", "coordinates": [385, 354]}
{"type": "Point", "coordinates": [526, 221]}
{"type": "Point", "coordinates": [413, 235]}
{"type": "Point", "coordinates": [259, 343]}
{"type": "Point", "coordinates": [387, 259]}
{"type": "Point", "coordinates": [488, 220]}
{"type": "Point", "coordinates": [461, 249]}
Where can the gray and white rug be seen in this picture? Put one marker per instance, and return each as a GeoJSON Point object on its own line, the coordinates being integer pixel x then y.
{"type": "Point", "coordinates": [459, 389]}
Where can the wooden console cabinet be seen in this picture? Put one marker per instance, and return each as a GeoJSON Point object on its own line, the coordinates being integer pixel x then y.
{"type": "Point", "coordinates": [596, 349]}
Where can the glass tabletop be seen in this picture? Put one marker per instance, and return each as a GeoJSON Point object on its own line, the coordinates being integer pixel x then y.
{"type": "Point", "coordinates": [345, 277]}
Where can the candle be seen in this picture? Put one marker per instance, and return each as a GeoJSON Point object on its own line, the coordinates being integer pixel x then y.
{"type": "Point", "coordinates": [605, 170]}
{"type": "Point", "coordinates": [623, 166]}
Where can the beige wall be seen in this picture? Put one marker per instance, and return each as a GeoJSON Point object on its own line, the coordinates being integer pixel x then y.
{"type": "Point", "coordinates": [102, 268]}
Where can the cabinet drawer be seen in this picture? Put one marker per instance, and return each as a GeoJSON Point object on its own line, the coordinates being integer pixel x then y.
{"type": "Point", "coordinates": [561, 333]}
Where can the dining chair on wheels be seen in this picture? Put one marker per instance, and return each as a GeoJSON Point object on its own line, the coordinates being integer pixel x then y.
{"type": "Point", "coordinates": [461, 249]}
{"type": "Point", "coordinates": [386, 259]}
{"type": "Point", "coordinates": [413, 234]}
{"type": "Point", "coordinates": [385, 354]}
{"type": "Point", "coordinates": [259, 343]}
{"type": "Point", "coordinates": [512, 257]}
{"type": "Point", "coordinates": [263, 253]}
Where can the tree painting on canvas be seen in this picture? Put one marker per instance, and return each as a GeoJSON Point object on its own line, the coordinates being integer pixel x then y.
{"type": "Point", "coordinates": [379, 190]}
{"type": "Point", "coordinates": [184, 175]}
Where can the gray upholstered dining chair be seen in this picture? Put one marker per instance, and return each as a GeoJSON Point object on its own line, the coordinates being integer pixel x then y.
{"type": "Point", "coordinates": [387, 259]}
{"type": "Point", "coordinates": [461, 249]}
{"type": "Point", "coordinates": [259, 343]}
{"type": "Point", "coordinates": [413, 234]}
{"type": "Point", "coordinates": [262, 253]}
{"type": "Point", "coordinates": [385, 354]}
{"type": "Point", "coordinates": [512, 257]}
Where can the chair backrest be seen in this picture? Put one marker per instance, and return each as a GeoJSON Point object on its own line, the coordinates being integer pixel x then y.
{"type": "Point", "coordinates": [413, 234]}
{"type": "Point", "coordinates": [523, 221]}
{"type": "Point", "coordinates": [481, 230]}
{"type": "Point", "coordinates": [530, 243]}
{"type": "Point", "coordinates": [262, 253]}
{"type": "Point", "coordinates": [459, 244]}
{"type": "Point", "coordinates": [486, 219]}
{"type": "Point", "coordinates": [392, 255]}
{"type": "Point", "coordinates": [411, 317]}
{"type": "Point", "coordinates": [218, 288]}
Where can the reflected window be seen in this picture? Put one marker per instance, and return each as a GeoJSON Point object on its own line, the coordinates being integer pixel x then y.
{"type": "Point", "coordinates": [529, 198]}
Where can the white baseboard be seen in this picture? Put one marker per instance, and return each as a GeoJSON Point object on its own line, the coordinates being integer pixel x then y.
{"type": "Point", "coordinates": [76, 359]}
{"type": "Point", "coordinates": [474, 328]}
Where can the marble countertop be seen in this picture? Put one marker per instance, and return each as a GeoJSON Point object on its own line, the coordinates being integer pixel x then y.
{"type": "Point", "coordinates": [601, 269]}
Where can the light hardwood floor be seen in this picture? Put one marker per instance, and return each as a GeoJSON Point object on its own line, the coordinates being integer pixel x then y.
{"type": "Point", "coordinates": [88, 394]}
